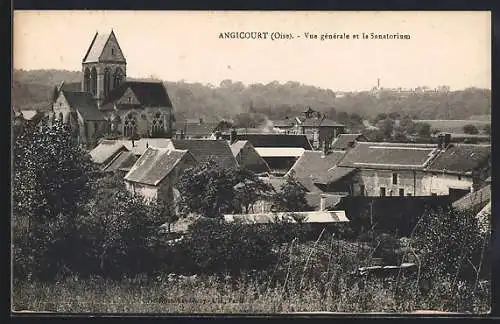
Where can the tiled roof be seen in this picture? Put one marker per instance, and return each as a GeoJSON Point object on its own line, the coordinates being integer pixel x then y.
{"type": "Point", "coordinates": [308, 183]}
{"type": "Point", "coordinates": [283, 123]}
{"type": "Point", "coordinates": [122, 161]}
{"type": "Point", "coordinates": [105, 151]}
{"type": "Point", "coordinates": [474, 199]}
{"type": "Point", "coordinates": [154, 165]}
{"type": "Point", "coordinates": [84, 104]}
{"type": "Point", "coordinates": [315, 164]}
{"type": "Point", "coordinates": [388, 156]}
{"type": "Point", "coordinates": [334, 174]}
{"type": "Point", "coordinates": [196, 129]}
{"type": "Point", "coordinates": [276, 140]}
{"type": "Point", "coordinates": [345, 141]}
{"type": "Point", "coordinates": [150, 94]}
{"type": "Point", "coordinates": [96, 47]}
{"type": "Point", "coordinates": [279, 151]}
{"type": "Point", "coordinates": [461, 158]}
{"type": "Point", "coordinates": [202, 150]}
{"type": "Point", "coordinates": [138, 147]}
{"type": "Point", "coordinates": [307, 217]}
{"type": "Point", "coordinates": [237, 146]}
{"type": "Point", "coordinates": [74, 86]}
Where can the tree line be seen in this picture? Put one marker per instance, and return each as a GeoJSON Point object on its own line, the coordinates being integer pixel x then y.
{"type": "Point", "coordinates": [33, 89]}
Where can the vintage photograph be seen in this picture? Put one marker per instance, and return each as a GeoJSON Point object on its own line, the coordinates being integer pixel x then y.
{"type": "Point", "coordinates": [251, 162]}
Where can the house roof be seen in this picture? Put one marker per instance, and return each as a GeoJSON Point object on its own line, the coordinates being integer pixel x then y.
{"type": "Point", "coordinates": [266, 152]}
{"type": "Point", "coordinates": [141, 145]}
{"type": "Point", "coordinates": [276, 140]}
{"type": "Point", "coordinates": [237, 146]}
{"type": "Point", "coordinates": [331, 200]}
{"type": "Point", "coordinates": [202, 150]}
{"type": "Point", "coordinates": [474, 199]}
{"type": "Point", "coordinates": [308, 217]}
{"type": "Point", "coordinates": [122, 161]}
{"type": "Point", "coordinates": [151, 94]}
{"type": "Point", "coordinates": [308, 184]}
{"type": "Point", "coordinates": [96, 47]}
{"type": "Point", "coordinates": [345, 141]}
{"type": "Point", "coordinates": [283, 123]}
{"type": "Point", "coordinates": [319, 122]}
{"type": "Point", "coordinates": [461, 158]}
{"type": "Point", "coordinates": [73, 86]}
{"type": "Point", "coordinates": [315, 164]}
{"type": "Point", "coordinates": [389, 156]}
{"type": "Point", "coordinates": [196, 129]}
{"type": "Point", "coordinates": [334, 174]}
{"type": "Point", "coordinates": [84, 104]}
{"type": "Point", "coordinates": [105, 151]}
{"type": "Point", "coordinates": [154, 165]}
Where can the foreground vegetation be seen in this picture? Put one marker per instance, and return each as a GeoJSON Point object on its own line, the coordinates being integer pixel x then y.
{"type": "Point", "coordinates": [60, 201]}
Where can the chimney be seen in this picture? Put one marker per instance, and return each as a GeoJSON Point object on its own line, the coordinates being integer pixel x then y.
{"type": "Point", "coordinates": [232, 136]}
{"type": "Point", "coordinates": [147, 144]}
{"type": "Point", "coordinates": [133, 145]}
{"type": "Point", "coordinates": [447, 140]}
{"type": "Point", "coordinates": [322, 202]}
{"type": "Point", "coordinates": [201, 121]}
{"type": "Point", "coordinates": [182, 134]}
{"type": "Point", "coordinates": [325, 148]}
{"type": "Point", "coordinates": [218, 135]}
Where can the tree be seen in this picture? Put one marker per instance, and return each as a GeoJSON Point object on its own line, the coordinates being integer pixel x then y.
{"type": "Point", "coordinates": [386, 126]}
{"type": "Point", "coordinates": [51, 185]}
{"type": "Point", "coordinates": [449, 243]}
{"type": "Point", "coordinates": [291, 197]}
{"type": "Point", "coordinates": [470, 129]}
{"type": "Point", "coordinates": [211, 190]}
{"type": "Point", "coordinates": [248, 190]}
{"type": "Point", "coordinates": [423, 129]}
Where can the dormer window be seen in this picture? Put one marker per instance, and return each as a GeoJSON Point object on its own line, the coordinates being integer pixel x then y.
{"type": "Point", "coordinates": [129, 99]}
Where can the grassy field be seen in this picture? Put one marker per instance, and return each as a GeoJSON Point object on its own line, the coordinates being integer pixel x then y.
{"type": "Point", "coordinates": [212, 295]}
{"type": "Point", "coordinates": [454, 126]}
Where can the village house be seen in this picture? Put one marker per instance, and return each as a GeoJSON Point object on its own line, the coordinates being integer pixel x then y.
{"type": "Point", "coordinates": [346, 141]}
{"type": "Point", "coordinates": [320, 130]}
{"type": "Point", "coordinates": [108, 103]}
{"type": "Point", "coordinates": [247, 157]}
{"type": "Point", "coordinates": [106, 151]}
{"type": "Point", "coordinates": [121, 163]}
{"type": "Point", "coordinates": [194, 129]}
{"type": "Point", "coordinates": [318, 168]}
{"type": "Point", "coordinates": [154, 174]}
{"type": "Point", "coordinates": [280, 151]}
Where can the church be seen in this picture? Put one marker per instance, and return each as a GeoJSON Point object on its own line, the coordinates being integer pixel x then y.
{"type": "Point", "coordinates": [105, 103]}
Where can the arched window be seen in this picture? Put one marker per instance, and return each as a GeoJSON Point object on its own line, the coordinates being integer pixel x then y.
{"type": "Point", "coordinates": [130, 126]}
{"type": "Point", "coordinates": [93, 81]}
{"type": "Point", "coordinates": [107, 81]}
{"type": "Point", "coordinates": [157, 126]}
{"type": "Point", "coordinates": [86, 80]}
{"type": "Point", "coordinates": [117, 77]}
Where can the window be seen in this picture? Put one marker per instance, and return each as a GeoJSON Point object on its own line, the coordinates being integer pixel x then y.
{"type": "Point", "coordinates": [129, 126]}
{"type": "Point", "coordinates": [129, 99]}
{"type": "Point", "coordinates": [113, 51]}
{"type": "Point", "coordinates": [408, 194]}
{"type": "Point", "coordinates": [394, 178]}
{"type": "Point", "coordinates": [433, 194]}
{"type": "Point", "coordinates": [401, 192]}
{"type": "Point", "coordinates": [459, 177]}
{"type": "Point", "coordinates": [382, 191]}
{"type": "Point", "coordinates": [361, 190]}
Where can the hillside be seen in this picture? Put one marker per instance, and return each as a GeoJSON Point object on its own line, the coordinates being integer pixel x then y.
{"type": "Point", "coordinates": [32, 89]}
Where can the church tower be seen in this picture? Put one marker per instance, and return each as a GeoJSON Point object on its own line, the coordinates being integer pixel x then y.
{"type": "Point", "coordinates": [104, 66]}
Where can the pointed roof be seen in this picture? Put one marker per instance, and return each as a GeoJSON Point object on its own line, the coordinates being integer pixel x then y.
{"type": "Point", "coordinates": [154, 165]}
{"type": "Point", "coordinates": [97, 46]}
{"type": "Point", "coordinates": [152, 94]}
{"type": "Point", "coordinates": [85, 104]}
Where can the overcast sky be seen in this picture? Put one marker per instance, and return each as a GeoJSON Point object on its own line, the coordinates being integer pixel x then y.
{"type": "Point", "coordinates": [446, 48]}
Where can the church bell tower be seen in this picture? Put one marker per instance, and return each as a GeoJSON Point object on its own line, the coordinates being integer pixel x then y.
{"type": "Point", "coordinates": [104, 66]}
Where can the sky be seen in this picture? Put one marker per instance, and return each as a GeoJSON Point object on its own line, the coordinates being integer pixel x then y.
{"type": "Point", "coordinates": [445, 48]}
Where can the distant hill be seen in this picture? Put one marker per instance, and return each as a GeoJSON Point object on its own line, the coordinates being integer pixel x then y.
{"type": "Point", "coordinates": [33, 89]}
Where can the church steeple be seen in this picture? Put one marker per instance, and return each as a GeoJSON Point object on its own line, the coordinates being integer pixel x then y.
{"type": "Point", "coordinates": [103, 66]}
